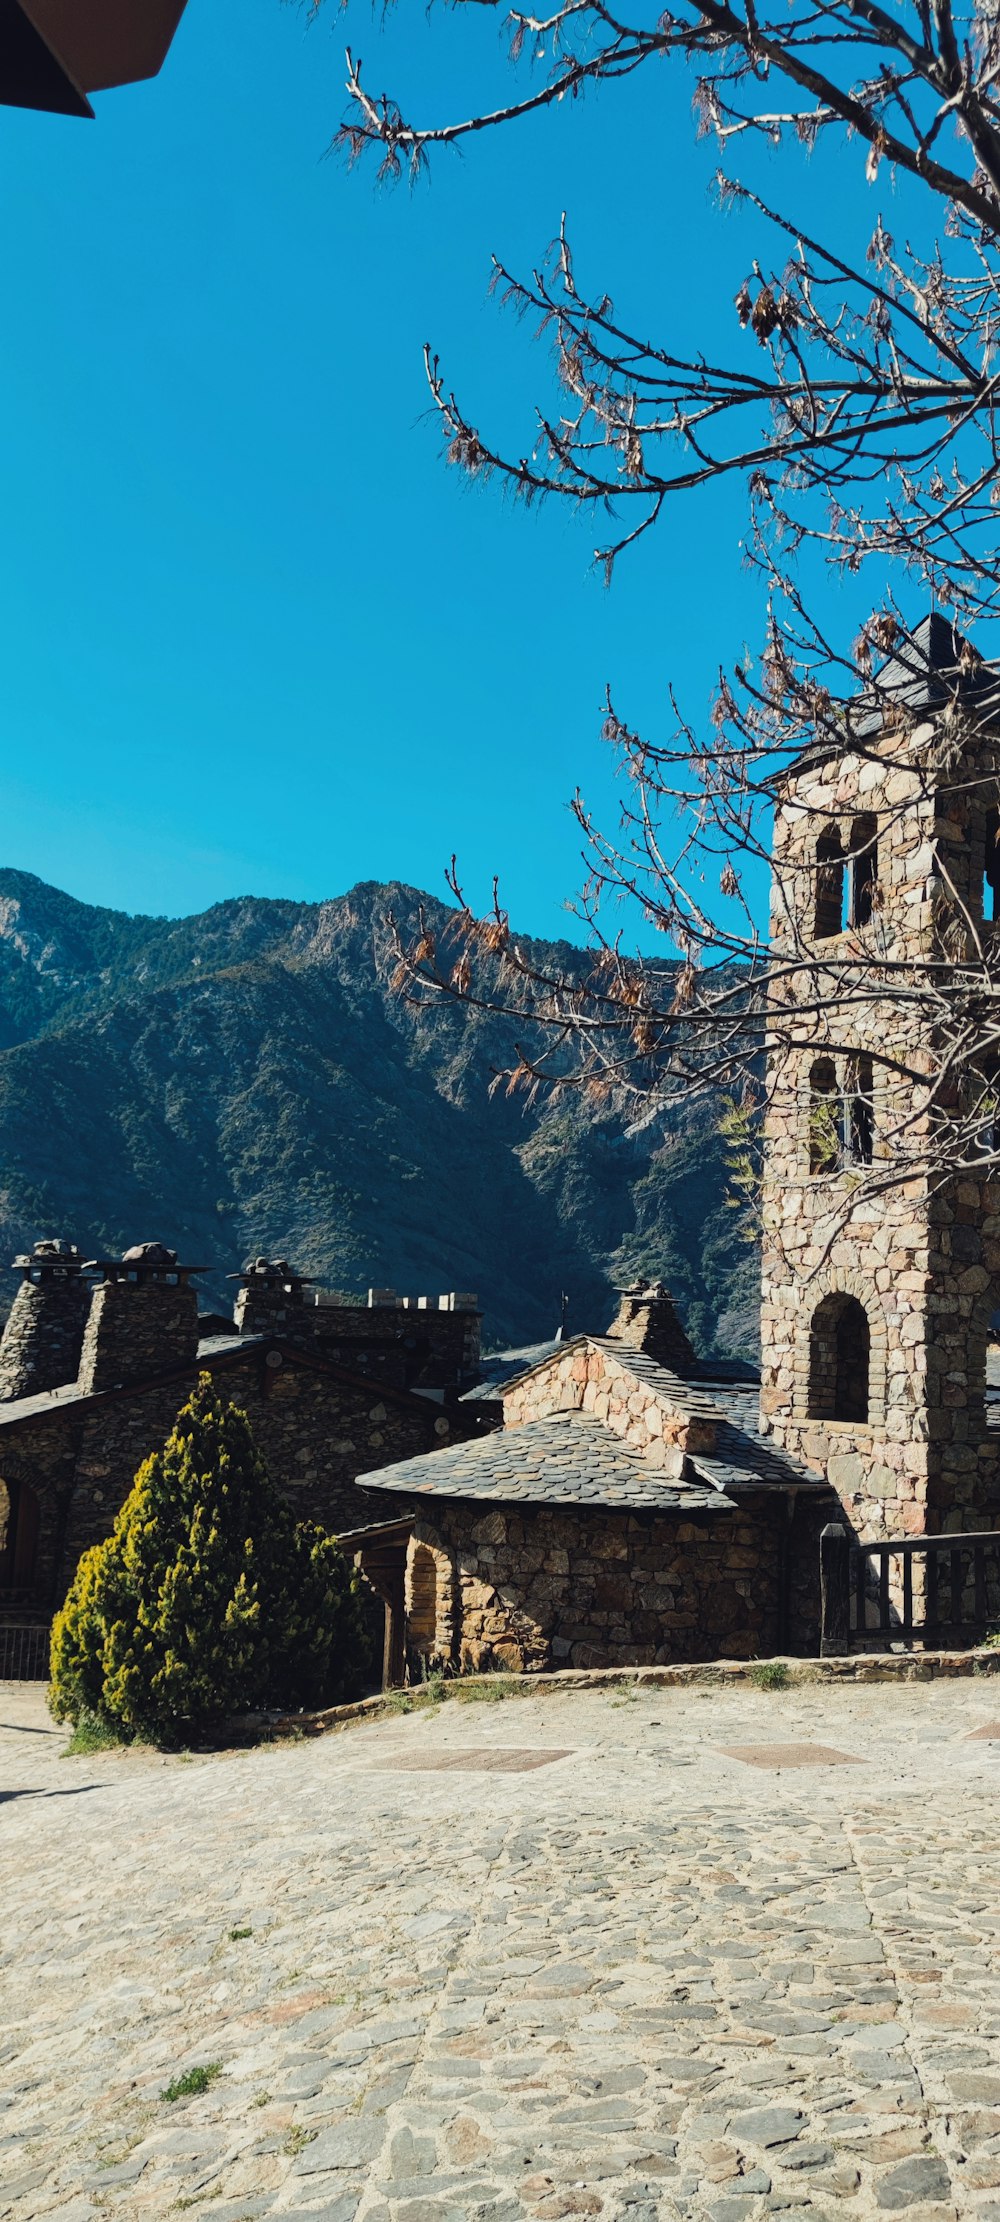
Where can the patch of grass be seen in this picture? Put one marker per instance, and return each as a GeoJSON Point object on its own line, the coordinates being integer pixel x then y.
{"type": "Point", "coordinates": [115, 2154]}
{"type": "Point", "coordinates": [769, 1674]}
{"type": "Point", "coordinates": [398, 1701]}
{"type": "Point", "coordinates": [489, 1689]}
{"type": "Point", "coordinates": [436, 1687]}
{"type": "Point", "coordinates": [262, 2098]}
{"type": "Point", "coordinates": [297, 2137]}
{"type": "Point", "coordinates": [92, 1734]}
{"type": "Point", "coordinates": [192, 2083]}
{"type": "Point", "coordinates": [236, 1935]}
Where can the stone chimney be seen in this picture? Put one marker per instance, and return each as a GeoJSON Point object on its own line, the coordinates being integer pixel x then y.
{"type": "Point", "coordinates": [41, 1342]}
{"type": "Point", "coordinates": [646, 1320]}
{"type": "Point", "coordinates": [271, 1300]}
{"type": "Point", "coordinates": [143, 1318]}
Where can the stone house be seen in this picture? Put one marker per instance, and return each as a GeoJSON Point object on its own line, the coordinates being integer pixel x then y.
{"type": "Point", "coordinates": [629, 1511]}
{"type": "Point", "coordinates": [97, 1358]}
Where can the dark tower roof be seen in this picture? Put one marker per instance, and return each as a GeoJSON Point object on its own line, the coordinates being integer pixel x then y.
{"type": "Point", "coordinates": [927, 668]}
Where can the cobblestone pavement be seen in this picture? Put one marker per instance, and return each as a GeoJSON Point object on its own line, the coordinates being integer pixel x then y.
{"type": "Point", "coordinates": [447, 1978]}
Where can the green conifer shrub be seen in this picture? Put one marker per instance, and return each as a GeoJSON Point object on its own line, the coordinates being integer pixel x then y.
{"type": "Point", "coordinates": [208, 1598]}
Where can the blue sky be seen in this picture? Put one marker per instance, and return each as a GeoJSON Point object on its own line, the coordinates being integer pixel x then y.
{"type": "Point", "coordinates": [256, 637]}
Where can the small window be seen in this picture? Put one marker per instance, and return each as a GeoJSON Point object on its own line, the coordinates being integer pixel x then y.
{"type": "Point", "coordinates": [839, 1360]}
{"type": "Point", "coordinates": [830, 885]}
{"type": "Point", "coordinates": [860, 1136]}
{"type": "Point", "coordinates": [825, 1117]}
{"type": "Point", "coordinates": [862, 872]}
{"type": "Point", "coordinates": [991, 868]}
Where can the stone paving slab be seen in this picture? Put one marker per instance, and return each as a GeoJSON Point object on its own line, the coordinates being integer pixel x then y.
{"type": "Point", "coordinates": [647, 1983]}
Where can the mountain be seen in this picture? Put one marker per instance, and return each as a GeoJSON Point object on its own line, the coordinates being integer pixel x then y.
{"type": "Point", "coordinates": [247, 1080]}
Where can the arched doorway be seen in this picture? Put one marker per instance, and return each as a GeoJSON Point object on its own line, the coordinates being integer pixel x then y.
{"type": "Point", "coordinates": [19, 1524]}
{"type": "Point", "coordinates": [421, 1603]}
{"type": "Point", "coordinates": [839, 1360]}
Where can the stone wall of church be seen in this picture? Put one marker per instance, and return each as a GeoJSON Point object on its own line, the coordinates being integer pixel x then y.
{"type": "Point", "coordinates": [590, 1378]}
{"type": "Point", "coordinates": [923, 1266]}
{"type": "Point", "coordinates": [537, 1587]}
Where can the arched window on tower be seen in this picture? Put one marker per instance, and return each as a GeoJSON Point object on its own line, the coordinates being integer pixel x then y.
{"type": "Point", "coordinates": [830, 884]}
{"type": "Point", "coordinates": [860, 1124]}
{"type": "Point", "coordinates": [826, 1113]}
{"type": "Point", "coordinates": [991, 868]}
{"type": "Point", "coordinates": [862, 871]}
{"type": "Point", "coordinates": [839, 1360]}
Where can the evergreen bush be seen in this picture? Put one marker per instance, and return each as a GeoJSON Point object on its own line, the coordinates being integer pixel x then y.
{"type": "Point", "coordinates": [208, 1598]}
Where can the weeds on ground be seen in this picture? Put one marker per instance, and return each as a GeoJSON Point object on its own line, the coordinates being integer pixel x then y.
{"type": "Point", "coordinates": [398, 1701]}
{"type": "Point", "coordinates": [769, 1674]}
{"type": "Point", "coordinates": [91, 1734]}
{"type": "Point", "coordinates": [193, 2082]}
{"type": "Point", "coordinates": [236, 1935]}
{"type": "Point", "coordinates": [489, 1689]}
{"type": "Point", "coordinates": [298, 2136]}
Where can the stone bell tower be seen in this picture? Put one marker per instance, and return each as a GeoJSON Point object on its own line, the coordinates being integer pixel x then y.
{"type": "Point", "coordinates": [876, 1313]}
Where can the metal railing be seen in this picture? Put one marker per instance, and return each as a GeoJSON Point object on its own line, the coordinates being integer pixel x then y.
{"type": "Point", "coordinates": [24, 1651]}
{"type": "Point", "coordinates": [864, 1598]}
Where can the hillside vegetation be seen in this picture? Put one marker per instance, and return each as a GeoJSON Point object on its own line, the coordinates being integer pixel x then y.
{"type": "Point", "coordinates": [246, 1080]}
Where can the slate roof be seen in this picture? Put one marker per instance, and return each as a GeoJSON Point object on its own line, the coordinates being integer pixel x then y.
{"type": "Point", "coordinates": [51, 1403]}
{"type": "Point", "coordinates": [924, 671]}
{"type": "Point", "coordinates": [743, 1455]}
{"type": "Point", "coordinates": [567, 1458]}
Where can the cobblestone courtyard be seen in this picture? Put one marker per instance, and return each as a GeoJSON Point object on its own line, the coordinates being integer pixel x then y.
{"type": "Point", "coordinates": [561, 1956]}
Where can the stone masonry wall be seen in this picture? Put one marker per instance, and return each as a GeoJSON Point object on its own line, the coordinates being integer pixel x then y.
{"type": "Point", "coordinates": [315, 1434]}
{"type": "Point", "coordinates": [43, 1335]}
{"type": "Point", "coordinates": [135, 1328]}
{"type": "Point", "coordinates": [587, 1377]}
{"type": "Point", "coordinates": [537, 1587]}
{"type": "Point", "coordinates": [405, 1345]}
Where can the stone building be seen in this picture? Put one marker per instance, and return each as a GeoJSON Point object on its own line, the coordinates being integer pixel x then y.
{"type": "Point", "coordinates": [97, 1357]}
{"type": "Point", "coordinates": [629, 1511]}
{"type": "Point", "coordinates": [640, 1506]}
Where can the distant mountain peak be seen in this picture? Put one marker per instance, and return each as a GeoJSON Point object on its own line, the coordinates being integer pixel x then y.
{"type": "Point", "coordinates": [246, 1080]}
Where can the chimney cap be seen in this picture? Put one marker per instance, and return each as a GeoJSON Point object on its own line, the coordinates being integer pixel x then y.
{"type": "Point", "coordinates": [141, 1258]}
{"type": "Point", "coordinates": [52, 1251]}
{"type": "Point", "coordinates": [270, 1269]}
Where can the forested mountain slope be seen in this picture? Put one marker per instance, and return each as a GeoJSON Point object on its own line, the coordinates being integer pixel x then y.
{"type": "Point", "coordinates": [247, 1080]}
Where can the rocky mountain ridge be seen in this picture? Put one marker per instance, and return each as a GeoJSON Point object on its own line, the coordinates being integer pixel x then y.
{"type": "Point", "coordinates": [247, 1079]}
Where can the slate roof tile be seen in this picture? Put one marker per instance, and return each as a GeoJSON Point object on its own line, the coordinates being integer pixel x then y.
{"type": "Point", "coordinates": [567, 1458]}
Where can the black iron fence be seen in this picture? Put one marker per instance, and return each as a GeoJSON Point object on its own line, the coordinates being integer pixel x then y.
{"type": "Point", "coordinates": [24, 1651]}
{"type": "Point", "coordinates": [931, 1590]}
